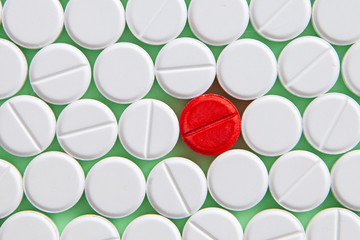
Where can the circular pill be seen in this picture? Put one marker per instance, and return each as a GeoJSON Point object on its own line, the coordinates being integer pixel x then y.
{"type": "Point", "coordinates": [185, 68]}
{"type": "Point", "coordinates": [93, 24]}
{"type": "Point", "coordinates": [172, 195]}
{"type": "Point", "coordinates": [277, 20]}
{"type": "Point", "coordinates": [271, 125]}
{"type": "Point", "coordinates": [156, 22]}
{"type": "Point", "coordinates": [104, 193]}
{"type": "Point", "coordinates": [33, 24]}
{"type": "Point", "coordinates": [299, 181]}
{"type": "Point", "coordinates": [210, 124]}
{"type": "Point", "coordinates": [308, 67]}
{"type": "Point", "coordinates": [13, 69]}
{"type": "Point", "coordinates": [247, 69]}
{"type": "Point", "coordinates": [54, 182]}
{"type": "Point", "coordinates": [27, 126]}
{"type": "Point", "coordinates": [331, 123]}
{"type": "Point", "coordinates": [148, 129]}
{"type": "Point", "coordinates": [212, 223]}
{"type": "Point", "coordinates": [87, 129]}
{"type": "Point", "coordinates": [60, 73]}
{"type": "Point", "coordinates": [124, 73]}
{"type": "Point", "coordinates": [350, 71]}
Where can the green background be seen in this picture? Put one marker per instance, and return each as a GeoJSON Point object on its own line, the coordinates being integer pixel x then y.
{"type": "Point", "coordinates": [181, 150]}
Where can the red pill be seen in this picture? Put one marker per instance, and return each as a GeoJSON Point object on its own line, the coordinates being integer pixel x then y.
{"type": "Point", "coordinates": [210, 124]}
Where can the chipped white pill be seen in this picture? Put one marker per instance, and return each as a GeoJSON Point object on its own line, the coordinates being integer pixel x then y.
{"type": "Point", "coordinates": [350, 70]}
{"type": "Point", "coordinates": [185, 68]}
{"type": "Point", "coordinates": [247, 69]}
{"type": "Point", "coordinates": [331, 123]}
{"type": "Point", "coordinates": [87, 129]}
{"type": "Point", "coordinates": [124, 73]}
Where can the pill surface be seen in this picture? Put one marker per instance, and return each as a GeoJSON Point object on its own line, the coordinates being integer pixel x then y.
{"type": "Point", "coordinates": [350, 71]}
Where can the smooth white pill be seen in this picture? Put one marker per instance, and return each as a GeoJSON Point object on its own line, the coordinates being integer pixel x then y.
{"type": "Point", "coordinates": [212, 223]}
{"type": "Point", "coordinates": [93, 24]}
{"type": "Point", "coordinates": [247, 69]}
{"type": "Point", "coordinates": [13, 69]}
{"type": "Point", "coordinates": [11, 188]}
{"type": "Point", "coordinates": [350, 70]}
{"type": "Point", "coordinates": [156, 22]}
{"type": "Point", "coordinates": [271, 125]}
{"type": "Point", "coordinates": [299, 181]}
{"type": "Point", "coordinates": [274, 224]}
{"type": "Point", "coordinates": [148, 129]}
{"type": "Point", "coordinates": [87, 129]}
{"type": "Point", "coordinates": [54, 182]}
{"type": "Point", "coordinates": [90, 227]}
{"type": "Point", "coordinates": [173, 195]}
{"type": "Point", "coordinates": [60, 73]}
{"type": "Point", "coordinates": [27, 126]}
{"type": "Point", "coordinates": [331, 123]}
{"type": "Point", "coordinates": [0, 11]}
{"type": "Point", "coordinates": [308, 67]}
{"type": "Point", "coordinates": [33, 23]}
{"type": "Point", "coordinates": [115, 187]}
{"type": "Point", "coordinates": [185, 68]}
{"type": "Point", "coordinates": [124, 73]}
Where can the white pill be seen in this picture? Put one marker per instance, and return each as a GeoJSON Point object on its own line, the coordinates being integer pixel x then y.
{"type": "Point", "coordinates": [54, 182]}
{"type": "Point", "coordinates": [308, 67]}
{"type": "Point", "coordinates": [350, 70]}
{"type": "Point", "coordinates": [247, 69]}
{"type": "Point", "coordinates": [212, 223]}
{"type": "Point", "coordinates": [11, 188]}
{"type": "Point", "coordinates": [277, 20]}
{"type": "Point", "coordinates": [271, 125]}
{"type": "Point", "coordinates": [299, 181]}
{"type": "Point", "coordinates": [185, 68]}
{"type": "Point", "coordinates": [331, 123]}
{"type": "Point", "coordinates": [274, 224]}
{"type": "Point", "coordinates": [124, 73]}
{"type": "Point", "coordinates": [218, 22]}
{"type": "Point", "coordinates": [29, 225]}
{"type": "Point", "coordinates": [90, 227]}
{"type": "Point", "coordinates": [148, 129]}
{"type": "Point", "coordinates": [87, 129]}
{"type": "Point", "coordinates": [115, 187]}
{"type": "Point", "coordinates": [173, 195]}
{"type": "Point", "coordinates": [93, 24]}
{"type": "Point", "coordinates": [156, 22]}
{"type": "Point", "coordinates": [33, 23]}
{"type": "Point", "coordinates": [27, 126]}
{"type": "Point", "coordinates": [60, 73]}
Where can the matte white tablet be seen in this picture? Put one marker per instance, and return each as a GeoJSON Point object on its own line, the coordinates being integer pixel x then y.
{"type": "Point", "coordinates": [350, 70]}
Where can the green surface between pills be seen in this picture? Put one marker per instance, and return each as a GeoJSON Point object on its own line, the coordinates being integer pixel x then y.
{"type": "Point", "coordinates": [181, 150]}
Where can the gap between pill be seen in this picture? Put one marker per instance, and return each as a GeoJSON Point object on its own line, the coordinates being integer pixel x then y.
{"type": "Point", "coordinates": [148, 129]}
{"type": "Point", "coordinates": [202, 231]}
{"type": "Point", "coordinates": [81, 131]}
{"type": "Point", "coordinates": [192, 68]}
{"type": "Point", "coordinates": [287, 235]}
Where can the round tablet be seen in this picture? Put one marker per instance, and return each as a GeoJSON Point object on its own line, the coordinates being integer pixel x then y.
{"type": "Point", "coordinates": [299, 181]}
{"type": "Point", "coordinates": [54, 182]}
{"type": "Point", "coordinates": [13, 69]}
{"type": "Point", "coordinates": [185, 68]}
{"type": "Point", "coordinates": [124, 73]}
{"type": "Point", "coordinates": [274, 224]}
{"type": "Point", "coordinates": [29, 225]}
{"type": "Point", "coordinates": [94, 25]}
{"type": "Point", "coordinates": [90, 227]}
{"type": "Point", "coordinates": [156, 22]}
{"type": "Point", "coordinates": [247, 69]}
{"type": "Point", "coordinates": [331, 123]}
{"type": "Point", "coordinates": [308, 67]}
{"type": "Point", "coordinates": [337, 21]}
{"type": "Point", "coordinates": [172, 195]}
{"type": "Point", "coordinates": [27, 125]}
{"type": "Point", "coordinates": [11, 188]}
{"type": "Point", "coordinates": [87, 129]}
{"type": "Point", "coordinates": [60, 73]}
{"type": "Point", "coordinates": [104, 193]}
{"type": "Point", "coordinates": [212, 223]}
{"type": "Point", "coordinates": [271, 125]}
{"type": "Point", "coordinates": [148, 129]}
{"type": "Point", "coordinates": [23, 18]}
{"type": "Point", "coordinates": [277, 20]}
{"type": "Point", "coordinates": [350, 71]}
